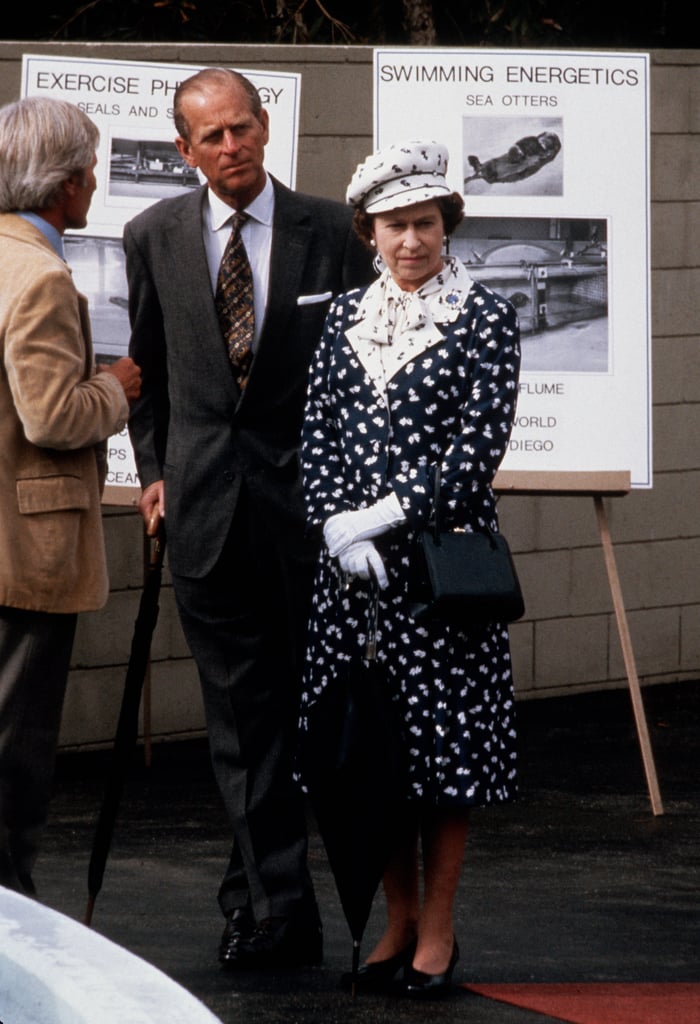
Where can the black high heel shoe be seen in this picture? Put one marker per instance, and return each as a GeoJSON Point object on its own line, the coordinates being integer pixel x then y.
{"type": "Point", "coordinates": [380, 974]}
{"type": "Point", "coordinates": [419, 985]}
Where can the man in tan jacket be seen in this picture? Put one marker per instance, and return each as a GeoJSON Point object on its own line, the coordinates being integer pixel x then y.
{"type": "Point", "coordinates": [56, 412]}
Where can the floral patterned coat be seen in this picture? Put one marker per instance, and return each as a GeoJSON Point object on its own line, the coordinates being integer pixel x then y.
{"type": "Point", "coordinates": [376, 424]}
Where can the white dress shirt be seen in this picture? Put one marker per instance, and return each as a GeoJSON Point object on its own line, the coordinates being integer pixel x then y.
{"type": "Point", "coordinates": [257, 238]}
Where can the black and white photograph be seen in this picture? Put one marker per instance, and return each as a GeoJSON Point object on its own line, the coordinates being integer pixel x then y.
{"type": "Point", "coordinates": [99, 272]}
{"type": "Point", "coordinates": [147, 168]}
{"type": "Point", "coordinates": [555, 272]}
{"type": "Point", "coordinates": [513, 156]}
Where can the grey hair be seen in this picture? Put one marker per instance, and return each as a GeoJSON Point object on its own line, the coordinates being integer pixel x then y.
{"type": "Point", "coordinates": [216, 76]}
{"type": "Point", "coordinates": [43, 142]}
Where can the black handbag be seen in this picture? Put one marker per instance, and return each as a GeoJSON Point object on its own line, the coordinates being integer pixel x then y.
{"type": "Point", "coordinates": [461, 577]}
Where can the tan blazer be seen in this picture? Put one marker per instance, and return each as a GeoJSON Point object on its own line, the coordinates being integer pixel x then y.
{"type": "Point", "coordinates": [55, 415]}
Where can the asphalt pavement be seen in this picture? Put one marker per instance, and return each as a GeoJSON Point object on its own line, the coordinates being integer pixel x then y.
{"type": "Point", "coordinates": [578, 881]}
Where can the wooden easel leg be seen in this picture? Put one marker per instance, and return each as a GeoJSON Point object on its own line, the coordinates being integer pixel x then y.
{"type": "Point", "coordinates": [628, 655]}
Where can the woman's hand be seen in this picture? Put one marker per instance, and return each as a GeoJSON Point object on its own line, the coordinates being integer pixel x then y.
{"type": "Point", "coordinates": [362, 559]}
{"type": "Point", "coordinates": [362, 524]}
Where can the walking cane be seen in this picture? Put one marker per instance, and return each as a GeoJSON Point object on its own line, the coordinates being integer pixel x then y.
{"type": "Point", "coordinates": [127, 726]}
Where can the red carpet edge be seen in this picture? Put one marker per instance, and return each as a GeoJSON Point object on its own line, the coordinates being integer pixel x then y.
{"type": "Point", "coordinates": [603, 1003]}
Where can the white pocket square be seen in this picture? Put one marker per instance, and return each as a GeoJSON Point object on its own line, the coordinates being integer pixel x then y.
{"type": "Point", "coordinates": [309, 300]}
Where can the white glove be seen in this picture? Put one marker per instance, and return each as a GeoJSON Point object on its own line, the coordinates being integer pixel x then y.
{"type": "Point", "coordinates": [363, 523]}
{"type": "Point", "coordinates": [362, 559]}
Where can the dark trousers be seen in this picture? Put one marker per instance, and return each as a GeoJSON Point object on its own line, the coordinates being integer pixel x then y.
{"type": "Point", "coordinates": [35, 651]}
{"type": "Point", "coordinates": [241, 624]}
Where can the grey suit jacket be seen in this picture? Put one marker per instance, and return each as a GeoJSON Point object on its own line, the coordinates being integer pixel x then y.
{"type": "Point", "coordinates": [191, 426]}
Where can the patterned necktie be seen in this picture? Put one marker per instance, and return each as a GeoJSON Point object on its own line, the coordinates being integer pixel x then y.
{"type": "Point", "coordinates": [234, 302]}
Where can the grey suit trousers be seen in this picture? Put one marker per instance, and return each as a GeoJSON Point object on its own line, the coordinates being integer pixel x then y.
{"type": "Point", "coordinates": [245, 634]}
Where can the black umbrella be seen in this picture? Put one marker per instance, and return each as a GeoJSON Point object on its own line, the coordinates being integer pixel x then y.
{"type": "Point", "coordinates": [354, 766]}
{"type": "Point", "coordinates": [127, 726]}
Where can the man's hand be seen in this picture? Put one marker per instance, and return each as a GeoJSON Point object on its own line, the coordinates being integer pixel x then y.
{"type": "Point", "coordinates": [127, 373]}
{"type": "Point", "coordinates": [152, 506]}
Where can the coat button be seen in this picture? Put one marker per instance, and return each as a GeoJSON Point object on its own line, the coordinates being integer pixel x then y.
{"type": "Point", "coordinates": [229, 476]}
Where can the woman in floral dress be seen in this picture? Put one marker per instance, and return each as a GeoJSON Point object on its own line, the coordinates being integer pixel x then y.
{"type": "Point", "coordinates": [417, 372]}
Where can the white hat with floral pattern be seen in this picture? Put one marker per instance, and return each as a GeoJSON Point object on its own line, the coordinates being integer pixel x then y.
{"type": "Point", "coordinates": [400, 175]}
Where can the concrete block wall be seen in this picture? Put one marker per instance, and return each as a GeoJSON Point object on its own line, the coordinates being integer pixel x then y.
{"type": "Point", "coordinates": [568, 640]}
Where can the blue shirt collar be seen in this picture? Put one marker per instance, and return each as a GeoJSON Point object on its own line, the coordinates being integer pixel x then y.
{"type": "Point", "coordinates": [52, 236]}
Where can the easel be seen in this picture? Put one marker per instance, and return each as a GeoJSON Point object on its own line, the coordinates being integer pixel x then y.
{"type": "Point", "coordinates": [598, 485]}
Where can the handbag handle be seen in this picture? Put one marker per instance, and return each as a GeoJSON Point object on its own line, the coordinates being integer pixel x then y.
{"type": "Point", "coordinates": [436, 518]}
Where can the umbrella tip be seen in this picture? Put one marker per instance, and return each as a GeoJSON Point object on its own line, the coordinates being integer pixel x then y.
{"type": "Point", "coordinates": [355, 967]}
{"type": "Point", "coordinates": [87, 920]}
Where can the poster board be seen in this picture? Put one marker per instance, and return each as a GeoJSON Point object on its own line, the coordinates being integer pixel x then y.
{"type": "Point", "coordinates": [551, 153]}
{"type": "Point", "coordinates": [138, 164]}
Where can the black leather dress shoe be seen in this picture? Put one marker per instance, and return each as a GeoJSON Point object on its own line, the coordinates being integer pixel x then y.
{"type": "Point", "coordinates": [283, 942]}
{"type": "Point", "coordinates": [419, 985]}
{"type": "Point", "coordinates": [379, 975]}
{"type": "Point", "coordinates": [239, 927]}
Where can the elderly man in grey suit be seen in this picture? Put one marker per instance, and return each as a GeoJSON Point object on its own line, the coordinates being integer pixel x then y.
{"type": "Point", "coordinates": [216, 436]}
